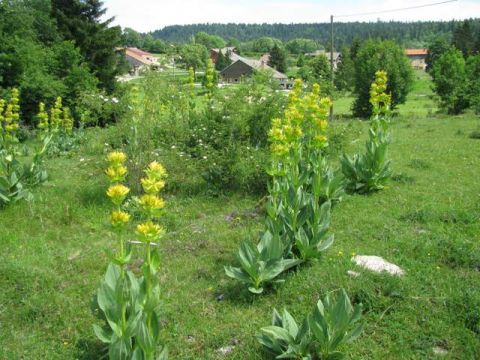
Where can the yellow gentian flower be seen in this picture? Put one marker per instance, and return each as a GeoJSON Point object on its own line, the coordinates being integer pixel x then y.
{"type": "Point", "coordinates": [152, 185]}
{"type": "Point", "coordinates": [149, 231]}
{"type": "Point", "coordinates": [119, 218]}
{"type": "Point", "coordinates": [151, 204]}
{"type": "Point", "coordinates": [116, 173]}
{"type": "Point", "coordinates": [116, 158]}
{"type": "Point", "coordinates": [117, 193]}
{"type": "Point", "coordinates": [156, 171]}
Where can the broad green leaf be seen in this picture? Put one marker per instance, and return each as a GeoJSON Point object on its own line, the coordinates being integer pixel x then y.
{"type": "Point", "coordinates": [103, 335]}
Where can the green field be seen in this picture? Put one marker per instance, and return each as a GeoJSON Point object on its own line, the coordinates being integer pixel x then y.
{"type": "Point", "coordinates": [427, 222]}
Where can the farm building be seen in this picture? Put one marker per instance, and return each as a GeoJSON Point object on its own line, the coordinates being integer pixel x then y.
{"type": "Point", "coordinates": [230, 52]}
{"type": "Point", "coordinates": [337, 57]}
{"type": "Point", "coordinates": [417, 58]}
{"type": "Point", "coordinates": [243, 67]}
{"type": "Point", "coordinates": [139, 59]}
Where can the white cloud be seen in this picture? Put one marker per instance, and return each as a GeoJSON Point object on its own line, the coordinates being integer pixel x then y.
{"type": "Point", "coordinates": [149, 15]}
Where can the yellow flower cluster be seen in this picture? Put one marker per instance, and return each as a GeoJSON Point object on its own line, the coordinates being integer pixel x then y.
{"type": "Point", "coordinates": [56, 114]}
{"type": "Point", "coordinates": [150, 203]}
{"type": "Point", "coordinates": [149, 231]}
{"type": "Point", "coordinates": [116, 170]}
{"type": "Point", "coordinates": [117, 192]}
{"type": "Point", "coordinates": [379, 98]}
{"type": "Point", "coordinates": [119, 218]}
{"type": "Point", "coordinates": [154, 181]}
{"type": "Point", "coordinates": [42, 117]}
{"type": "Point", "coordinates": [304, 121]}
{"type": "Point", "coordinates": [60, 118]}
{"type": "Point", "coordinates": [10, 115]}
{"type": "Point", "coordinates": [67, 121]}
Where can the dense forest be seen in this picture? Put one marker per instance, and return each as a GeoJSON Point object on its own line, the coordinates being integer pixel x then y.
{"type": "Point", "coordinates": [408, 34]}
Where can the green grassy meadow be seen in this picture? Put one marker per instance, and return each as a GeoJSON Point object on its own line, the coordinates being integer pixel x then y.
{"type": "Point", "coordinates": [427, 222]}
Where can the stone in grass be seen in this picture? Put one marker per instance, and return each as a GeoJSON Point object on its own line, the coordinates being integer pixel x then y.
{"type": "Point", "coordinates": [438, 350]}
{"type": "Point", "coordinates": [225, 350]}
{"type": "Point", "coordinates": [377, 264]}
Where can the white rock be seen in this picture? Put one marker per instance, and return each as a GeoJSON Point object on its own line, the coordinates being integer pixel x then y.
{"type": "Point", "coordinates": [439, 350]}
{"type": "Point", "coordinates": [225, 350]}
{"type": "Point", "coordinates": [377, 264]}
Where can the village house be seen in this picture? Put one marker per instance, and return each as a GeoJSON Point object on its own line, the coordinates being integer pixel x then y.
{"type": "Point", "coordinates": [139, 60]}
{"type": "Point", "coordinates": [242, 68]}
{"type": "Point", "coordinates": [337, 57]}
{"type": "Point", "coordinates": [417, 58]}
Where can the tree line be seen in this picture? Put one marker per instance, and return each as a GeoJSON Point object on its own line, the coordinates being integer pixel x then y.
{"type": "Point", "coordinates": [411, 34]}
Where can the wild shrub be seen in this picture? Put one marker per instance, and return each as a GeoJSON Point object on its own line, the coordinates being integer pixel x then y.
{"type": "Point", "coordinates": [370, 171]}
{"type": "Point", "coordinates": [450, 81]}
{"type": "Point", "coordinates": [130, 304]}
{"type": "Point", "coordinates": [332, 324]}
{"type": "Point", "coordinates": [389, 56]}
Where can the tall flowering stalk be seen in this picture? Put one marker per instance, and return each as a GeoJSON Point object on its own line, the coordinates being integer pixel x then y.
{"type": "Point", "coordinates": [210, 78]}
{"type": "Point", "coordinates": [297, 143]}
{"type": "Point", "coordinates": [297, 223]}
{"type": "Point", "coordinates": [149, 233]}
{"type": "Point", "coordinates": [370, 171]}
{"type": "Point", "coordinates": [9, 120]}
{"type": "Point", "coordinates": [129, 303]}
{"type": "Point", "coordinates": [117, 192]}
{"type": "Point", "coordinates": [191, 83]}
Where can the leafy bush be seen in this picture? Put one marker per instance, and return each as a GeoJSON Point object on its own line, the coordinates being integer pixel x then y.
{"type": "Point", "coordinates": [331, 325]}
{"type": "Point", "coordinates": [369, 172]}
{"type": "Point", "coordinates": [450, 80]}
{"type": "Point", "coordinates": [386, 55]}
{"type": "Point", "coordinates": [473, 81]}
{"type": "Point", "coordinates": [261, 264]}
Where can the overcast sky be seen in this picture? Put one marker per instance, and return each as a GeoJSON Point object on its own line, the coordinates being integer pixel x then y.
{"type": "Point", "coordinates": [149, 15]}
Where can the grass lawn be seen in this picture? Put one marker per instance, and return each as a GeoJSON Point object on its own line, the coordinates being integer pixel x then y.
{"type": "Point", "coordinates": [427, 222]}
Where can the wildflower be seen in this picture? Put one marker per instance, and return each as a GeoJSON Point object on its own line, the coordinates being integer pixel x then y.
{"type": "Point", "coordinates": [116, 157]}
{"type": "Point", "coordinates": [156, 171]}
{"type": "Point", "coordinates": [151, 185]}
{"type": "Point", "coordinates": [117, 193]}
{"type": "Point", "coordinates": [119, 218]}
{"type": "Point", "coordinates": [151, 203]}
{"type": "Point", "coordinates": [149, 231]}
{"type": "Point", "coordinates": [117, 173]}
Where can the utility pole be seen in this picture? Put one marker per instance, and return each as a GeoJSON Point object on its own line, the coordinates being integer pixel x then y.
{"type": "Point", "coordinates": [331, 64]}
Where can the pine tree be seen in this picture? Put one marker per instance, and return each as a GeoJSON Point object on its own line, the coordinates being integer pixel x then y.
{"type": "Point", "coordinates": [278, 59]}
{"type": "Point", "coordinates": [463, 38]}
{"type": "Point", "coordinates": [301, 60]}
{"type": "Point", "coordinates": [222, 61]}
{"type": "Point", "coordinates": [81, 21]}
{"type": "Point", "coordinates": [436, 48]}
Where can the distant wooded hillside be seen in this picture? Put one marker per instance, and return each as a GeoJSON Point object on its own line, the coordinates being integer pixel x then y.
{"type": "Point", "coordinates": [409, 34]}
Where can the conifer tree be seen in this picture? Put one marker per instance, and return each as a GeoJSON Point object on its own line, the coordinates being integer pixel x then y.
{"type": "Point", "coordinates": [278, 59]}
{"type": "Point", "coordinates": [463, 38]}
{"type": "Point", "coordinates": [81, 21]}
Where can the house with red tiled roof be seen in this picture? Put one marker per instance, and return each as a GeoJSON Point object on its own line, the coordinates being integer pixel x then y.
{"type": "Point", "coordinates": [139, 59]}
{"type": "Point", "coordinates": [417, 58]}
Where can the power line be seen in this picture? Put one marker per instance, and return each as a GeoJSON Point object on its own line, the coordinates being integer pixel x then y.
{"type": "Point", "coordinates": [396, 10]}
